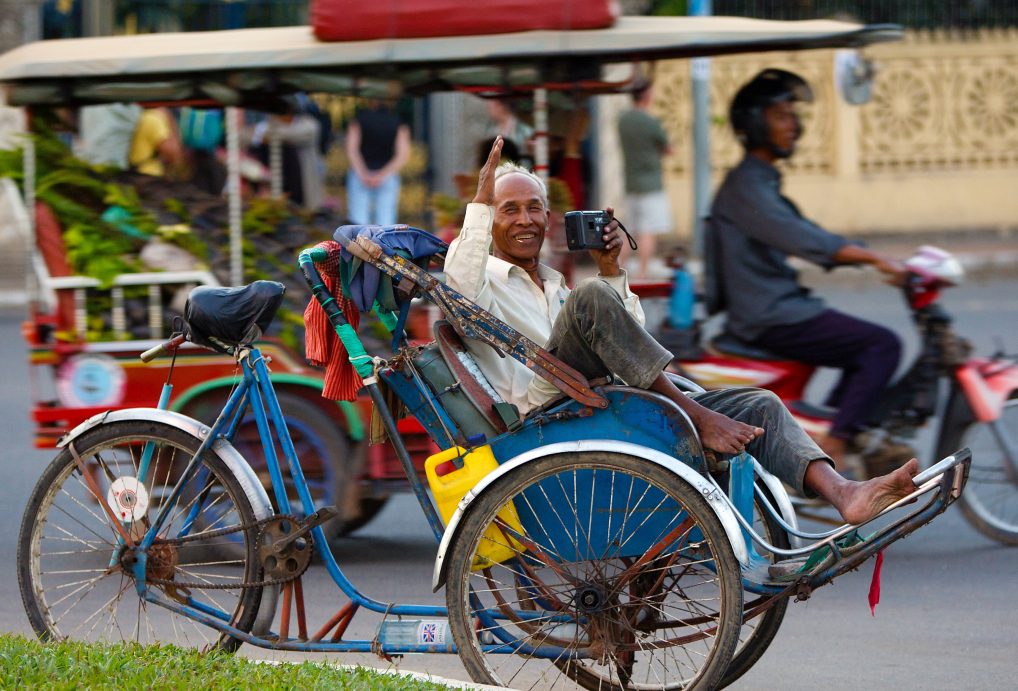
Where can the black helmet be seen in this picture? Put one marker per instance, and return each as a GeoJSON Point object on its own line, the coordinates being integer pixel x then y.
{"type": "Point", "coordinates": [765, 89]}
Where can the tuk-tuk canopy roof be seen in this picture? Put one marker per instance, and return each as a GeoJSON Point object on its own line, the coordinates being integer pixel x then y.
{"type": "Point", "coordinates": [251, 66]}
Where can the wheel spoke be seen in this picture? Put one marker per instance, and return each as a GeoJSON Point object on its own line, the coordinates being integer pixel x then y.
{"type": "Point", "coordinates": [75, 582]}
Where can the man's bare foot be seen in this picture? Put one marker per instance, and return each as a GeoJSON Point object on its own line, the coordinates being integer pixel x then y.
{"type": "Point", "coordinates": [721, 433]}
{"type": "Point", "coordinates": [717, 432]}
{"type": "Point", "coordinates": [860, 501]}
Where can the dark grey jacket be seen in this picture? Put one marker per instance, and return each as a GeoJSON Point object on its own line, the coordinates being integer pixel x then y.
{"type": "Point", "coordinates": [752, 232]}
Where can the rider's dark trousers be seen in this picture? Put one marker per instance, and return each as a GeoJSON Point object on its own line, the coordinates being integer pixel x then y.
{"type": "Point", "coordinates": [866, 354]}
{"type": "Point", "coordinates": [595, 335]}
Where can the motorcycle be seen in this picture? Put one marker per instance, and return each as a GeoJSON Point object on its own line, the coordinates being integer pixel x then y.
{"type": "Point", "coordinates": [977, 408]}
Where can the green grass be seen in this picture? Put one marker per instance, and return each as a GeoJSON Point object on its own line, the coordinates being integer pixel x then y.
{"type": "Point", "coordinates": [26, 663]}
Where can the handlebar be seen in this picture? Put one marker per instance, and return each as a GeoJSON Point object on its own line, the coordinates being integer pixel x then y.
{"type": "Point", "coordinates": [942, 466]}
{"type": "Point", "coordinates": [163, 348]}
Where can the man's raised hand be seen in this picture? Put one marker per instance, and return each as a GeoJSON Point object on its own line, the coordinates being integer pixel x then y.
{"type": "Point", "coordinates": [486, 177]}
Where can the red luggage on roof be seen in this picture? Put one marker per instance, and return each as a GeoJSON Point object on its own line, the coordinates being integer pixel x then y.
{"type": "Point", "coordinates": [361, 20]}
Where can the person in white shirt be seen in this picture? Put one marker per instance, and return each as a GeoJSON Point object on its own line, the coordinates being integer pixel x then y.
{"type": "Point", "coordinates": [598, 329]}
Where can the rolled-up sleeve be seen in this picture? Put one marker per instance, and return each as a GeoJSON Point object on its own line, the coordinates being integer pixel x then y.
{"type": "Point", "coordinates": [467, 258]}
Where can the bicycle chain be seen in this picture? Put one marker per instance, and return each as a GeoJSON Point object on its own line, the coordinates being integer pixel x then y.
{"type": "Point", "coordinates": [217, 533]}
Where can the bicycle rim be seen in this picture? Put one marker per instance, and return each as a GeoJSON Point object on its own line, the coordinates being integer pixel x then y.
{"type": "Point", "coordinates": [75, 574]}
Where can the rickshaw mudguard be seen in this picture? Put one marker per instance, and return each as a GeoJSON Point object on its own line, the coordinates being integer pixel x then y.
{"type": "Point", "coordinates": [234, 461]}
{"type": "Point", "coordinates": [687, 473]}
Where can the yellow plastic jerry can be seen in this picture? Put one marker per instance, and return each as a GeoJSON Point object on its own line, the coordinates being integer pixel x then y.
{"type": "Point", "coordinates": [449, 483]}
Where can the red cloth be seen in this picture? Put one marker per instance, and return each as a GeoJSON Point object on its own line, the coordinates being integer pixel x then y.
{"type": "Point", "coordinates": [49, 238]}
{"type": "Point", "coordinates": [322, 346]}
{"type": "Point", "coordinates": [356, 20]}
{"type": "Point", "coordinates": [874, 596]}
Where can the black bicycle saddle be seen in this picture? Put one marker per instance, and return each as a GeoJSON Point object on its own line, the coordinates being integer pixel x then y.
{"type": "Point", "coordinates": [225, 318]}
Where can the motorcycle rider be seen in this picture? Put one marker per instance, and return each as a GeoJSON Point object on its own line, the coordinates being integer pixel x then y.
{"type": "Point", "coordinates": [754, 229]}
{"type": "Point", "coordinates": [597, 328]}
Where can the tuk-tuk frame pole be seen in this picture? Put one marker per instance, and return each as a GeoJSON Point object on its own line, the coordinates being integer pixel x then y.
{"type": "Point", "coordinates": [541, 133]}
{"type": "Point", "coordinates": [701, 136]}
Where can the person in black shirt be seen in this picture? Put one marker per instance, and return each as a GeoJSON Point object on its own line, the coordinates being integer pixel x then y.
{"type": "Point", "coordinates": [377, 146]}
{"type": "Point", "coordinates": [754, 229]}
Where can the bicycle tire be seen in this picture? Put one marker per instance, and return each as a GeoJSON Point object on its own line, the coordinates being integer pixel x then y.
{"type": "Point", "coordinates": [71, 574]}
{"type": "Point", "coordinates": [990, 499]}
{"type": "Point", "coordinates": [637, 601]}
{"type": "Point", "coordinates": [756, 637]}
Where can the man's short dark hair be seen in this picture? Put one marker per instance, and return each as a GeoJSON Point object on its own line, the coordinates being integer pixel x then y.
{"type": "Point", "coordinates": [640, 87]}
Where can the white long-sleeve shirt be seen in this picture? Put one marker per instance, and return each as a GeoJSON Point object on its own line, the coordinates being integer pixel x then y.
{"type": "Point", "coordinates": [508, 292]}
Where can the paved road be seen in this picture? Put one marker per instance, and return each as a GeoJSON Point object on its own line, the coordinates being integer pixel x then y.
{"type": "Point", "coordinates": [947, 616]}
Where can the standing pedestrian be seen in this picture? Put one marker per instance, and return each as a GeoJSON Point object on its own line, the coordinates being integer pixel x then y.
{"type": "Point", "coordinates": [503, 122]}
{"type": "Point", "coordinates": [377, 146]}
{"type": "Point", "coordinates": [644, 143]}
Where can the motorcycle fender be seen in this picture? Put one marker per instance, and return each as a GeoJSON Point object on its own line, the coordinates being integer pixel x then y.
{"type": "Point", "coordinates": [721, 508]}
{"type": "Point", "coordinates": [226, 452]}
{"type": "Point", "coordinates": [987, 387]}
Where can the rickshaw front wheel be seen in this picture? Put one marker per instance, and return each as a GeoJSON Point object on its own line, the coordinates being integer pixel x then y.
{"type": "Point", "coordinates": [76, 575]}
{"type": "Point", "coordinates": [605, 567]}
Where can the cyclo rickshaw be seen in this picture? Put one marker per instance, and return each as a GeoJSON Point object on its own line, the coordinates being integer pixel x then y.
{"type": "Point", "coordinates": [593, 541]}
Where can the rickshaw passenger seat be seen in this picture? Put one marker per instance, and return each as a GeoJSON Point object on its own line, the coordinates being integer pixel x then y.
{"type": "Point", "coordinates": [500, 414]}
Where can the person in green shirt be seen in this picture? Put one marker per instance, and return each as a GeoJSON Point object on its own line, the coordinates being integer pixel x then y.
{"type": "Point", "coordinates": [644, 144]}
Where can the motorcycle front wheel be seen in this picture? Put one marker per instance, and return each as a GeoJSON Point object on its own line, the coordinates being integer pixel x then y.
{"type": "Point", "coordinates": [990, 499]}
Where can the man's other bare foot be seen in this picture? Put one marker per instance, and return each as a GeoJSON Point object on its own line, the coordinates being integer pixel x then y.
{"type": "Point", "coordinates": [861, 501]}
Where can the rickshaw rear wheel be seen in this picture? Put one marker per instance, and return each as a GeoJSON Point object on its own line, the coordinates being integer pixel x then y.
{"type": "Point", "coordinates": [757, 634]}
{"type": "Point", "coordinates": [641, 590]}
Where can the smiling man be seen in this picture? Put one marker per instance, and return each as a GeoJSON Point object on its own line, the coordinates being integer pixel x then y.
{"type": "Point", "coordinates": [598, 330]}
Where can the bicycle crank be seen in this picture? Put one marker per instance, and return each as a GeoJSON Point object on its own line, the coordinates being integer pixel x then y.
{"type": "Point", "coordinates": [284, 544]}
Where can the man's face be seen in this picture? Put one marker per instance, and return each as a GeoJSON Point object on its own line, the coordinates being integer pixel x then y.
{"type": "Point", "coordinates": [521, 219]}
{"type": "Point", "coordinates": [784, 127]}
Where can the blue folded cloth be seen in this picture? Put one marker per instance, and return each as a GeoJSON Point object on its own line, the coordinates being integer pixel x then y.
{"type": "Point", "coordinates": [412, 243]}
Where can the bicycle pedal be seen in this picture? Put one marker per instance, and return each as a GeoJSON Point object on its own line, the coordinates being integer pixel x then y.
{"type": "Point", "coordinates": [304, 527]}
{"type": "Point", "coordinates": [326, 513]}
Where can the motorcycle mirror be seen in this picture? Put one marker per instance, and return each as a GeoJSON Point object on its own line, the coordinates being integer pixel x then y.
{"type": "Point", "coordinates": [854, 76]}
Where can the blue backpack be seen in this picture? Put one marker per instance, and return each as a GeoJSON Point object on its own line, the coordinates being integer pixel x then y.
{"type": "Point", "coordinates": [201, 129]}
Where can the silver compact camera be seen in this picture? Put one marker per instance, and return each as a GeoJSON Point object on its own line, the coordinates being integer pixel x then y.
{"type": "Point", "coordinates": [585, 229]}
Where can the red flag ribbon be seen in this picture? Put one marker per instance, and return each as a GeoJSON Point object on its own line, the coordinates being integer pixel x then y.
{"type": "Point", "coordinates": [874, 597]}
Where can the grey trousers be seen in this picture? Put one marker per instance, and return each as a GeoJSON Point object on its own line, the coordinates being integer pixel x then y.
{"type": "Point", "coordinates": [595, 335]}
